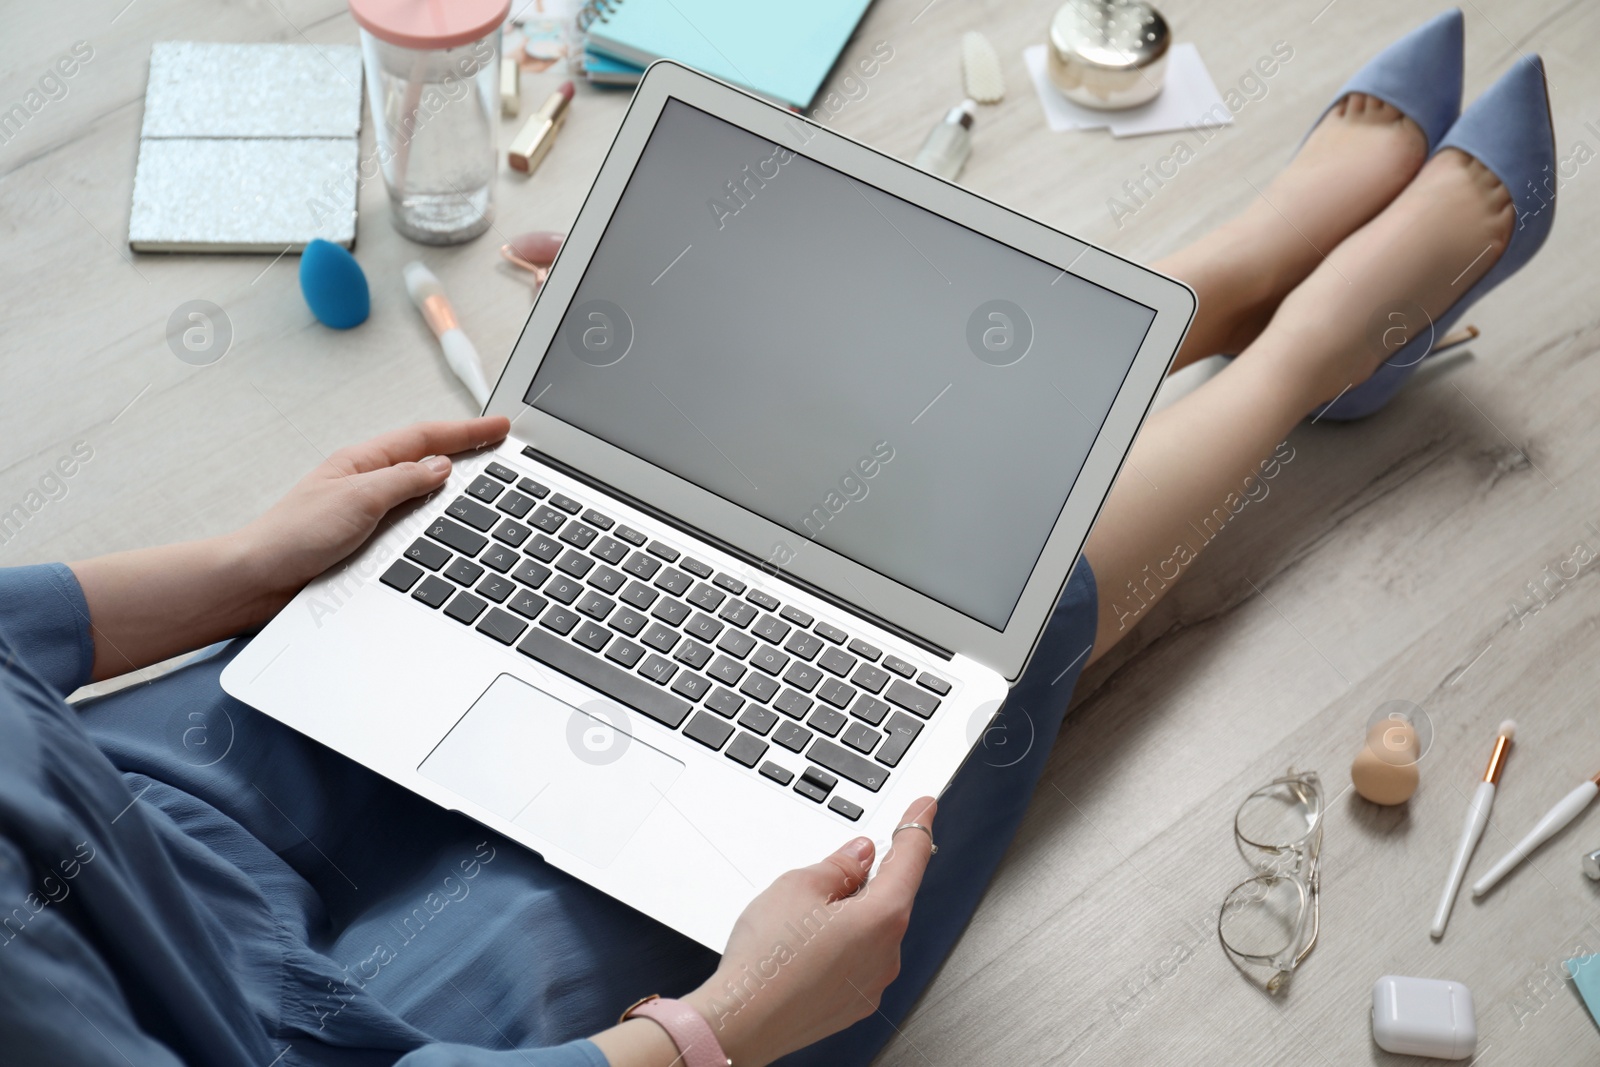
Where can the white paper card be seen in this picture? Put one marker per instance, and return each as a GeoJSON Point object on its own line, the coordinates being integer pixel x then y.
{"type": "Point", "coordinates": [1188, 98]}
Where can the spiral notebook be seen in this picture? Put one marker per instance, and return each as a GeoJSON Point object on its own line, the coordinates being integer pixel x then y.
{"type": "Point", "coordinates": [782, 49]}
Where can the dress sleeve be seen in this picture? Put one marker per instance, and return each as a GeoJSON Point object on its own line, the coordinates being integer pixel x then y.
{"type": "Point", "coordinates": [44, 624]}
{"type": "Point", "coordinates": [573, 1054]}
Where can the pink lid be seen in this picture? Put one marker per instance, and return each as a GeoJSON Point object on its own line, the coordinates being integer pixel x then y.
{"type": "Point", "coordinates": [430, 25]}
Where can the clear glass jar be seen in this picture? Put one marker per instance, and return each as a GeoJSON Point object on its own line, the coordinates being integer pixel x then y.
{"type": "Point", "coordinates": [434, 110]}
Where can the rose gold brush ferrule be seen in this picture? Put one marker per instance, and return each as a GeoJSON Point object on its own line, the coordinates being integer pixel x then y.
{"type": "Point", "coordinates": [1497, 761]}
{"type": "Point", "coordinates": [440, 315]}
{"type": "Point", "coordinates": [1596, 778]}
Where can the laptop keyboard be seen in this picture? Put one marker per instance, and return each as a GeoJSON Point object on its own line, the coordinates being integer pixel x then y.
{"type": "Point", "coordinates": [730, 666]}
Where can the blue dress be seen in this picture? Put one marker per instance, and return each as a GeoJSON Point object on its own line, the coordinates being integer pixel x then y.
{"type": "Point", "coordinates": [185, 881]}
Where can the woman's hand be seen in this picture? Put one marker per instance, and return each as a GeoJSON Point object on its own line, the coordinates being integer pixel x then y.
{"type": "Point", "coordinates": [814, 952]}
{"type": "Point", "coordinates": [332, 510]}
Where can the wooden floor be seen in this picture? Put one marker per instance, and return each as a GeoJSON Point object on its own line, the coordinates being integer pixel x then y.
{"type": "Point", "coordinates": [1392, 560]}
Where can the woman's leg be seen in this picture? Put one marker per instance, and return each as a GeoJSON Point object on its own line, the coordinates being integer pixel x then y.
{"type": "Point", "coordinates": [1196, 458]}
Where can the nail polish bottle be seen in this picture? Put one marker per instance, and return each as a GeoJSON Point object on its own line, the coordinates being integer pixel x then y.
{"type": "Point", "coordinates": [949, 143]}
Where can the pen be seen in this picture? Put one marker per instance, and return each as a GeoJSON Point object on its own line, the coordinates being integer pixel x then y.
{"type": "Point", "coordinates": [536, 137]}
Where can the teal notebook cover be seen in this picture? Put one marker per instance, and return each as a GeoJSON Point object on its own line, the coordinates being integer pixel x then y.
{"type": "Point", "coordinates": [782, 49]}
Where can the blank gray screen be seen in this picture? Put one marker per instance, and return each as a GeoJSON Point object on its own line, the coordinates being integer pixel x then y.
{"type": "Point", "coordinates": [869, 375]}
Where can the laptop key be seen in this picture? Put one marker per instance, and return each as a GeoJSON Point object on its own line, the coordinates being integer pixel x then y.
{"type": "Point", "coordinates": [607, 580]}
{"type": "Point", "coordinates": [827, 721]}
{"type": "Point", "coordinates": [574, 563]}
{"type": "Point", "coordinates": [861, 737]}
{"type": "Point", "coordinates": [639, 595]}
{"type": "Point", "coordinates": [703, 626]}
{"type": "Point", "coordinates": [401, 575]}
{"type": "Point", "coordinates": [870, 708]}
{"type": "Point", "coordinates": [527, 604]}
{"type": "Point", "coordinates": [792, 736]}
{"type": "Point", "coordinates": [463, 571]}
{"type": "Point", "coordinates": [629, 621]}
{"type": "Point", "coordinates": [657, 669]}
{"type": "Point", "coordinates": [632, 536]}
{"type": "Point", "coordinates": [591, 635]}
{"type": "Point", "coordinates": [761, 599]}
{"type": "Point", "coordinates": [515, 504]}
{"type": "Point", "coordinates": [542, 548]}
{"type": "Point", "coordinates": [727, 670]}
{"type": "Point", "coordinates": [693, 653]}
{"type": "Point", "coordinates": [871, 678]}
{"type": "Point", "coordinates": [705, 596]}
{"type": "Point", "coordinates": [747, 750]}
{"type": "Point", "coordinates": [795, 615]}
{"type": "Point", "coordinates": [691, 686]}
{"type": "Point", "coordinates": [531, 573]}
{"type": "Point", "coordinates": [485, 489]}
{"type": "Point", "coordinates": [596, 606]}
{"type": "Point", "coordinates": [674, 581]}
{"type": "Point", "coordinates": [472, 513]}
{"type": "Point", "coordinates": [735, 643]}
{"type": "Point", "coordinates": [770, 628]}
{"type": "Point", "coordinates": [563, 590]}
{"type": "Point", "coordinates": [730, 583]}
{"type": "Point", "coordinates": [547, 519]}
{"type": "Point", "coordinates": [625, 652]}
{"type": "Point", "coordinates": [610, 549]}
{"type": "Point", "coordinates": [758, 687]}
{"type": "Point", "coordinates": [457, 537]}
{"type": "Point", "coordinates": [626, 688]}
{"type": "Point", "coordinates": [502, 626]}
{"type": "Point", "coordinates": [594, 518]}
{"type": "Point", "coordinates": [847, 764]}
{"type": "Point", "coordinates": [836, 661]}
{"type": "Point", "coordinates": [709, 730]}
{"type": "Point", "coordinates": [533, 488]}
{"type": "Point", "coordinates": [512, 533]}
{"type": "Point", "coordinates": [899, 666]}
{"type": "Point", "coordinates": [578, 535]}
{"type": "Point", "coordinates": [864, 650]}
{"type": "Point", "coordinates": [769, 659]}
{"type": "Point", "coordinates": [559, 619]}
{"type": "Point", "coordinates": [666, 552]}
{"type": "Point", "coordinates": [917, 701]}
{"type": "Point", "coordinates": [835, 692]}
{"type": "Point", "coordinates": [641, 566]}
{"type": "Point", "coordinates": [496, 587]}
{"type": "Point", "coordinates": [934, 682]}
{"type": "Point", "coordinates": [738, 612]}
{"type": "Point", "coordinates": [832, 633]}
{"type": "Point", "coordinates": [433, 591]}
{"type": "Point", "coordinates": [902, 730]}
{"type": "Point", "coordinates": [672, 612]}
{"type": "Point", "coordinates": [725, 702]}
{"type": "Point", "coordinates": [841, 806]}
{"type": "Point", "coordinates": [465, 608]}
{"type": "Point", "coordinates": [499, 558]}
{"type": "Point", "coordinates": [660, 638]}
{"type": "Point", "coordinates": [793, 704]}
{"type": "Point", "coordinates": [758, 719]}
{"type": "Point", "coordinates": [776, 773]}
{"type": "Point", "coordinates": [802, 676]}
{"type": "Point", "coordinates": [498, 470]}
{"type": "Point", "coordinates": [695, 567]}
{"type": "Point", "coordinates": [566, 503]}
{"type": "Point", "coordinates": [428, 554]}
{"type": "Point", "coordinates": [803, 644]}
{"type": "Point", "coordinates": [815, 784]}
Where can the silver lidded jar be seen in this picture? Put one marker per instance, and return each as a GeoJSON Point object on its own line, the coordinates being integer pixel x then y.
{"type": "Point", "coordinates": [1108, 54]}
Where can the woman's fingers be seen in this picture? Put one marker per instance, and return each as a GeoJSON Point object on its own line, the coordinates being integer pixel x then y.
{"type": "Point", "coordinates": [842, 873]}
{"type": "Point", "coordinates": [901, 871]}
{"type": "Point", "coordinates": [420, 439]}
{"type": "Point", "coordinates": [394, 485]}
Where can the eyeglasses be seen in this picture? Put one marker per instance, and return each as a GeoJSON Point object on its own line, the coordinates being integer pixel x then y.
{"type": "Point", "coordinates": [1272, 919]}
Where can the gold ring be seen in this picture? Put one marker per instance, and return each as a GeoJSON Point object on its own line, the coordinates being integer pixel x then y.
{"type": "Point", "coordinates": [933, 849]}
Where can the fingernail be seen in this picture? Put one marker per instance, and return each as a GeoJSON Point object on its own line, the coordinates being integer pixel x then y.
{"type": "Point", "coordinates": [437, 464]}
{"type": "Point", "coordinates": [861, 849]}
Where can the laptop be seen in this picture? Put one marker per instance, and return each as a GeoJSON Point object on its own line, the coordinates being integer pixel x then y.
{"type": "Point", "coordinates": [805, 443]}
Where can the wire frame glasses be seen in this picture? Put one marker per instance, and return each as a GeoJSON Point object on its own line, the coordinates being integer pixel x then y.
{"type": "Point", "coordinates": [1272, 919]}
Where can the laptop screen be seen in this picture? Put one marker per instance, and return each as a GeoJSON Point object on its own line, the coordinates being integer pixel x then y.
{"type": "Point", "coordinates": [873, 377]}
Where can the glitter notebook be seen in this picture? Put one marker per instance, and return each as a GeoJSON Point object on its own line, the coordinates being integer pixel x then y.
{"type": "Point", "coordinates": [247, 148]}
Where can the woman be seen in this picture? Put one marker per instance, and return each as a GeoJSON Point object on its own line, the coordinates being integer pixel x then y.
{"type": "Point", "coordinates": [185, 881]}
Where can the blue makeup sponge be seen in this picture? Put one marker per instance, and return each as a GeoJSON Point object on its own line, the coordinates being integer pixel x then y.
{"type": "Point", "coordinates": [333, 285]}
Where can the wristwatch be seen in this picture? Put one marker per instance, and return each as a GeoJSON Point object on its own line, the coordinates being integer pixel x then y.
{"type": "Point", "coordinates": [688, 1029]}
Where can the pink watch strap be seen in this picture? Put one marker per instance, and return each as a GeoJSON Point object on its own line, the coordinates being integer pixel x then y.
{"type": "Point", "coordinates": [688, 1029]}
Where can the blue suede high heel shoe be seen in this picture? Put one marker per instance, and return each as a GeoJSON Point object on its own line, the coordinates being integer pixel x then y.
{"type": "Point", "coordinates": [1420, 75]}
{"type": "Point", "coordinates": [1509, 130]}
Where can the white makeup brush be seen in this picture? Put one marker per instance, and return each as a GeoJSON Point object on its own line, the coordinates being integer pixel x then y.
{"type": "Point", "coordinates": [428, 295]}
{"type": "Point", "coordinates": [1566, 809]}
{"type": "Point", "coordinates": [1477, 819]}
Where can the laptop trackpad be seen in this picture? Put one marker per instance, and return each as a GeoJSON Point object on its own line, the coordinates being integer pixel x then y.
{"type": "Point", "coordinates": [573, 776]}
